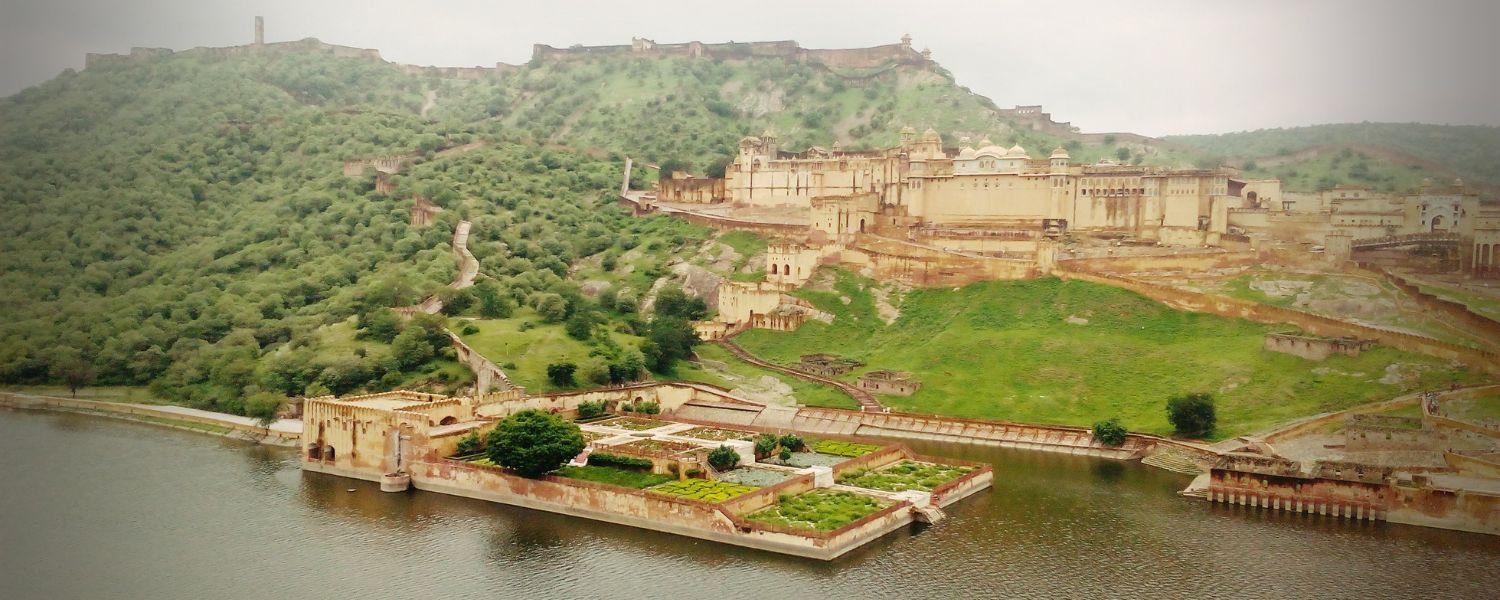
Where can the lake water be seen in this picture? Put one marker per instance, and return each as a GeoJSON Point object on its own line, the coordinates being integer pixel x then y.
{"type": "Point", "coordinates": [96, 508]}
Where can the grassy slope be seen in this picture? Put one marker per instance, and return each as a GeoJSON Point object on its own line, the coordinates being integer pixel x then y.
{"type": "Point", "coordinates": [1003, 350]}
{"type": "Point", "coordinates": [806, 392]}
{"type": "Point", "coordinates": [503, 342]}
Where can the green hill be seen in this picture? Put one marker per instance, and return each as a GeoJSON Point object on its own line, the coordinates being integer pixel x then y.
{"type": "Point", "coordinates": [184, 222]}
{"type": "Point", "coordinates": [1393, 156]}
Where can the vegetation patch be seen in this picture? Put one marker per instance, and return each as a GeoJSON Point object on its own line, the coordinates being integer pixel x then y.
{"type": "Point", "coordinates": [702, 489]}
{"type": "Point", "coordinates": [1003, 350]}
{"type": "Point", "coordinates": [819, 510]}
{"type": "Point", "coordinates": [842, 448]}
{"type": "Point", "coordinates": [658, 446]}
{"type": "Point", "coordinates": [714, 434]}
{"type": "Point", "coordinates": [633, 423]}
{"type": "Point", "coordinates": [903, 476]}
{"type": "Point", "coordinates": [631, 478]}
{"type": "Point", "coordinates": [754, 477]}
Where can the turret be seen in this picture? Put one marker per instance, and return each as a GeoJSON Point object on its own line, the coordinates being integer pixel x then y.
{"type": "Point", "coordinates": [906, 41]}
{"type": "Point", "coordinates": [769, 139]}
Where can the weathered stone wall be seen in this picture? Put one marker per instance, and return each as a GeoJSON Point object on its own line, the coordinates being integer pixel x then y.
{"type": "Point", "coordinates": [1188, 262]}
{"type": "Point", "coordinates": [1313, 348]}
{"type": "Point", "coordinates": [693, 190]}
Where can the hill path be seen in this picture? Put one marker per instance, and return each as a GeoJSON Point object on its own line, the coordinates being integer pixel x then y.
{"type": "Point", "coordinates": [867, 402]}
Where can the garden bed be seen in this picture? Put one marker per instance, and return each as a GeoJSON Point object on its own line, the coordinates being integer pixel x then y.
{"type": "Point", "coordinates": [804, 460]}
{"type": "Point", "coordinates": [702, 489]}
{"type": "Point", "coordinates": [594, 436]}
{"type": "Point", "coordinates": [632, 423]}
{"type": "Point", "coordinates": [654, 446]}
{"type": "Point", "coordinates": [903, 476]}
{"type": "Point", "coordinates": [841, 448]}
{"type": "Point", "coordinates": [755, 477]}
{"type": "Point", "coordinates": [630, 478]}
{"type": "Point", "coordinates": [820, 510]}
{"type": "Point", "coordinates": [714, 434]}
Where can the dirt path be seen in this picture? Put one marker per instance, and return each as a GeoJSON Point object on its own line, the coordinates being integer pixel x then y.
{"type": "Point", "coordinates": [867, 402]}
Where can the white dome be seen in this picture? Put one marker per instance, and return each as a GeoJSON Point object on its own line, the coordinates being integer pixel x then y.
{"type": "Point", "coordinates": [966, 154]}
{"type": "Point", "coordinates": [1016, 151]}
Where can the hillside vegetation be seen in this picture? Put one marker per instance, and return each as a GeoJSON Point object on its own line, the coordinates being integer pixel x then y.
{"type": "Point", "coordinates": [1006, 350]}
{"type": "Point", "coordinates": [184, 222]}
{"type": "Point", "coordinates": [1388, 151]}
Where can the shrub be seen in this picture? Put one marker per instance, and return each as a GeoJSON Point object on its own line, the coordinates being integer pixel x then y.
{"type": "Point", "coordinates": [534, 442]}
{"type": "Point", "coordinates": [648, 408]}
{"type": "Point", "coordinates": [792, 442]}
{"type": "Point", "coordinates": [469, 444]}
{"type": "Point", "coordinates": [1110, 433]}
{"type": "Point", "coordinates": [589, 410]}
{"type": "Point", "coordinates": [1192, 415]}
{"type": "Point", "coordinates": [765, 445]}
{"type": "Point", "coordinates": [561, 374]}
{"type": "Point", "coordinates": [785, 455]}
{"type": "Point", "coordinates": [605, 459]}
{"type": "Point", "coordinates": [724, 458]}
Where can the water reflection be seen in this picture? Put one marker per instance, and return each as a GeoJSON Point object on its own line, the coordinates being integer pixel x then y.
{"type": "Point", "coordinates": [92, 505]}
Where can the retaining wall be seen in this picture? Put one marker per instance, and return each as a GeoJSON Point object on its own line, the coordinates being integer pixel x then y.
{"type": "Point", "coordinates": [145, 413]}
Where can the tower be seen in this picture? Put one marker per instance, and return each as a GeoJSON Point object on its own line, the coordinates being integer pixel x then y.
{"type": "Point", "coordinates": [260, 31]}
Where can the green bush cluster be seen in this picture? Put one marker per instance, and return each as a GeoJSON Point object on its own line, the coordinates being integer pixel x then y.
{"type": "Point", "coordinates": [591, 409]}
{"type": "Point", "coordinates": [606, 459]}
{"type": "Point", "coordinates": [821, 510]}
{"type": "Point", "coordinates": [841, 448]}
{"type": "Point", "coordinates": [723, 458]}
{"type": "Point", "coordinates": [702, 489]}
{"type": "Point", "coordinates": [1110, 432]}
{"type": "Point", "coordinates": [905, 475]}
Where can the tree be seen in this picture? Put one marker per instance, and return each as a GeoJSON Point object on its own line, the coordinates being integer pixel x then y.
{"type": "Point", "coordinates": [561, 374]}
{"type": "Point", "coordinates": [580, 326]}
{"type": "Point", "coordinates": [1192, 415]}
{"type": "Point", "coordinates": [673, 165]}
{"type": "Point", "coordinates": [455, 301]}
{"type": "Point", "coordinates": [723, 458]}
{"type": "Point", "coordinates": [68, 365]}
{"type": "Point", "coordinates": [533, 443]}
{"type": "Point", "coordinates": [1110, 433]}
{"type": "Point", "coordinates": [264, 407]}
{"type": "Point", "coordinates": [411, 349]}
{"type": "Point", "coordinates": [552, 307]}
{"type": "Point", "coordinates": [379, 324]}
{"type": "Point", "coordinates": [671, 301]}
{"type": "Point", "coordinates": [1122, 153]}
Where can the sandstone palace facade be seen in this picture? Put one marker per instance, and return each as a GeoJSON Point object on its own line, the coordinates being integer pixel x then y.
{"type": "Point", "coordinates": [928, 189]}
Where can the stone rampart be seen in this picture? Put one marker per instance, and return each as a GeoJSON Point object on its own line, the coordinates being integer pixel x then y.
{"type": "Point", "coordinates": [145, 413]}
{"type": "Point", "coordinates": [1194, 261]}
{"type": "Point", "coordinates": [1313, 347]}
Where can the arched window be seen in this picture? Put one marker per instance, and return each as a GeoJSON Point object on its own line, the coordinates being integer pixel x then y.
{"type": "Point", "coordinates": [773, 268]}
{"type": "Point", "coordinates": [328, 454]}
{"type": "Point", "coordinates": [314, 452]}
{"type": "Point", "coordinates": [449, 420]}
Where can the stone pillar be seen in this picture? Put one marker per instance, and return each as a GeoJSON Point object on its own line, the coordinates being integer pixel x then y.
{"type": "Point", "coordinates": [260, 31]}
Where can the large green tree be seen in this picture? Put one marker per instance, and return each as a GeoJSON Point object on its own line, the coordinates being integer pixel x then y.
{"type": "Point", "coordinates": [533, 442]}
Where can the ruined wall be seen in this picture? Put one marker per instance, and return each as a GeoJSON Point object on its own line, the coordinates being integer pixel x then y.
{"type": "Point", "coordinates": [694, 190]}
{"type": "Point", "coordinates": [740, 301]}
{"type": "Point", "coordinates": [1300, 494]}
{"type": "Point", "coordinates": [1454, 312]}
{"type": "Point", "coordinates": [1313, 348]}
{"type": "Point", "coordinates": [1188, 262]}
{"type": "Point", "coordinates": [932, 267]}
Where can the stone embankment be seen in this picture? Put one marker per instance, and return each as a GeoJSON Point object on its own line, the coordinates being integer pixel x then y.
{"type": "Point", "coordinates": [284, 432]}
{"type": "Point", "coordinates": [866, 400]}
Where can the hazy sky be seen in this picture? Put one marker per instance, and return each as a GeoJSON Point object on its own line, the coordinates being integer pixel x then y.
{"type": "Point", "coordinates": [1157, 68]}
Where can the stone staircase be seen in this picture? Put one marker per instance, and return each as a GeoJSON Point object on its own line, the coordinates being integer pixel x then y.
{"type": "Point", "coordinates": [1172, 460]}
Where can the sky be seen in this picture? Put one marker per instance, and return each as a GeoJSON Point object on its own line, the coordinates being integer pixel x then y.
{"type": "Point", "coordinates": [1156, 67]}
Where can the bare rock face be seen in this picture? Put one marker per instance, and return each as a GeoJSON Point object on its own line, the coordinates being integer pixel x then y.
{"type": "Point", "coordinates": [698, 281]}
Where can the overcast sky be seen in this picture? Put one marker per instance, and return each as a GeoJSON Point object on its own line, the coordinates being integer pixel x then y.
{"type": "Point", "coordinates": [1157, 68]}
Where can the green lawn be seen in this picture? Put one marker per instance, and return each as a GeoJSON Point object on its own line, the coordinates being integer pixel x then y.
{"type": "Point", "coordinates": [614, 476]}
{"type": "Point", "coordinates": [1003, 350]}
{"type": "Point", "coordinates": [806, 392]}
{"type": "Point", "coordinates": [503, 342]}
{"type": "Point", "coordinates": [113, 393]}
{"type": "Point", "coordinates": [1483, 408]}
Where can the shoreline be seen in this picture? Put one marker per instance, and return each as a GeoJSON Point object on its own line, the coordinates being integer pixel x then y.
{"type": "Point", "coordinates": [169, 416]}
